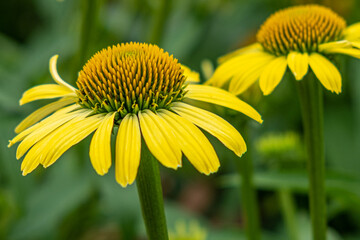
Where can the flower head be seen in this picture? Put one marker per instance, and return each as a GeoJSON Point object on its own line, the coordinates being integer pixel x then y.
{"type": "Point", "coordinates": [296, 37]}
{"type": "Point", "coordinates": [141, 91]}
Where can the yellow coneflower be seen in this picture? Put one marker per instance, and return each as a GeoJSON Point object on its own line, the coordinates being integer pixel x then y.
{"type": "Point", "coordinates": [296, 37]}
{"type": "Point", "coordinates": [139, 89]}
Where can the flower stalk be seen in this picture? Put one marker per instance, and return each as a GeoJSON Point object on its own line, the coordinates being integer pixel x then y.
{"type": "Point", "coordinates": [310, 94]}
{"type": "Point", "coordinates": [248, 195]}
{"type": "Point", "coordinates": [150, 194]}
{"type": "Point", "coordinates": [289, 212]}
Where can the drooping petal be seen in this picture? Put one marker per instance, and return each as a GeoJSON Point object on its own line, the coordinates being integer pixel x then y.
{"type": "Point", "coordinates": [238, 65]}
{"type": "Point", "coordinates": [221, 97]}
{"type": "Point", "coordinates": [192, 76]}
{"type": "Point", "coordinates": [56, 76]}
{"type": "Point", "coordinates": [353, 52]}
{"type": "Point", "coordinates": [326, 72]}
{"type": "Point", "coordinates": [128, 150]}
{"type": "Point", "coordinates": [43, 112]}
{"type": "Point", "coordinates": [70, 134]}
{"type": "Point", "coordinates": [192, 142]}
{"type": "Point", "coordinates": [248, 73]}
{"type": "Point", "coordinates": [255, 47]}
{"type": "Point", "coordinates": [298, 63]}
{"type": "Point", "coordinates": [156, 136]}
{"type": "Point", "coordinates": [337, 44]}
{"type": "Point", "coordinates": [100, 146]}
{"type": "Point", "coordinates": [272, 74]}
{"type": "Point", "coordinates": [47, 120]}
{"type": "Point", "coordinates": [44, 130]}
{"type": "Point", "coordinates": [45, 91]}
{"type": "Point", "coordinates": [213, 124]}
{"type": "Point", "coordinates": [352, 32]}
{"type": "Point", "coordinates": [51, 147]}
{"type": "Point", "coordinates": [356, 44]}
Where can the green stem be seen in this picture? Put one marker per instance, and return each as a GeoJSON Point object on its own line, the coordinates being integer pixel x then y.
{"type": "Point", "coordinates": [248, 195]}
{"type": "Point", "coordinates": [151, 198]}
{"type": "Point", "coordinates": [288, 209]}
{"type": "Point", "coordinates": [159, 20]}
{"type": "Point", "coordinates": [310, 94]}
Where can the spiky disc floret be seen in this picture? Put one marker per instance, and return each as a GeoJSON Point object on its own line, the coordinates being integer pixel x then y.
{"type": "Point", "coordinates": [300, 28]}
{"type": "Point", "coordinates": [130, 77]}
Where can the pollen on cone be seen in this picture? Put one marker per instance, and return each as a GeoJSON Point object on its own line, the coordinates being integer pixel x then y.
{"type": "Point", "coordinates": [130, 77]}
{"type": "Point", "coordinates": [300, 28]}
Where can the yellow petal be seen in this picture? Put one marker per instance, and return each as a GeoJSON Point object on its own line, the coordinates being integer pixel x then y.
{"type": "Point", "coordinates": [128, 150]}
{"type": "Point", "coordinates": [192, 142]}
{"type": "Point", "coordinates": [272, 74]}
{"type": "Point", "coordinates": [213, 124]}
{"type": "Point", "coordinates": [100, 146]}
{"type": "Point", "coordinates": [45, 91]}
{"type": "Point", "coordinates": [236, 66]}
{"type": "Point", "coordinates": [355, 44]}
{"type": "Point", "coordinates": [43, 131]}
{"type": "Point", "coordinates": [51, 147]}
{"type": "Point", "coordinates": [326, 72]}
{"type": "Point", "coordinates": [70, 134]}
{"type": "Point", "coordinates": [56, 76]}
{"type": "Point", "coordinates": [352, 32]}
{"type": "Point", "coordinates": [248, 73]}
{"type": "Point", "coordinates": [221, 97]}
{"type": "Point", "coordinates": [298, 63]}
{"type": "Point", "coordinates": [337, 44]}
{"type": "Point", "coordinates": [353, 52]}
{"type": "Point", "coordinates": [156, 136]}
{"type": "Point", "coordinates": [43, 112]}
{"type": "Point", "coordinates": [47, 120]}
{"type": "Point", "coordinates": [251, 48]}
{"type": "Point", "coordinates": [191, 76]}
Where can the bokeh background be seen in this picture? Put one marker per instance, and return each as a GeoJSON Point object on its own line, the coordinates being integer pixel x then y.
{"type": "Point", "coordinates": [70, 201]}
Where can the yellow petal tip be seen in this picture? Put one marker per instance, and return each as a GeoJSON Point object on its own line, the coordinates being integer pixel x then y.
{"type": "Point", "coordinates": [266, 93]}
{"type": "Point", "coordinates": [124, 185]}
{"type": "Point", "coordinates": [240, 153]}
{"type": "Point", "coordinates": [54, 58]}
{"type": "Point", "coordinates": [298, 78]}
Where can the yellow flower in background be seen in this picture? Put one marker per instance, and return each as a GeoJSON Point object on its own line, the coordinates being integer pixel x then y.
{"type": "Point", "coordinates": [296, 37]}
{"type": "Point", "coordinates": [278, 143]}
{"type": "Point", "coordinates": [191, 232]}
{"type": "Point", "coordinates": [141, 91]}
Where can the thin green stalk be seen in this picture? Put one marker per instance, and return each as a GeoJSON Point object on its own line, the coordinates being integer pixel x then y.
{"type": "Point", "coordinates": [151, 198]}
{"type": "Point", "coordinates": [289, 212]}
{"type": "Point", "coordinates": [248, 196]}
{"type": "Point", "coordinates": [310, 93]}
{"type": "Point", "coordinates": [159, 21]}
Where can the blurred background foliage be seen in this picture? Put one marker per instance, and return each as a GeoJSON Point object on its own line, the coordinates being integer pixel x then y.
{"type": "Point", "coordinates": [70, 201]}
